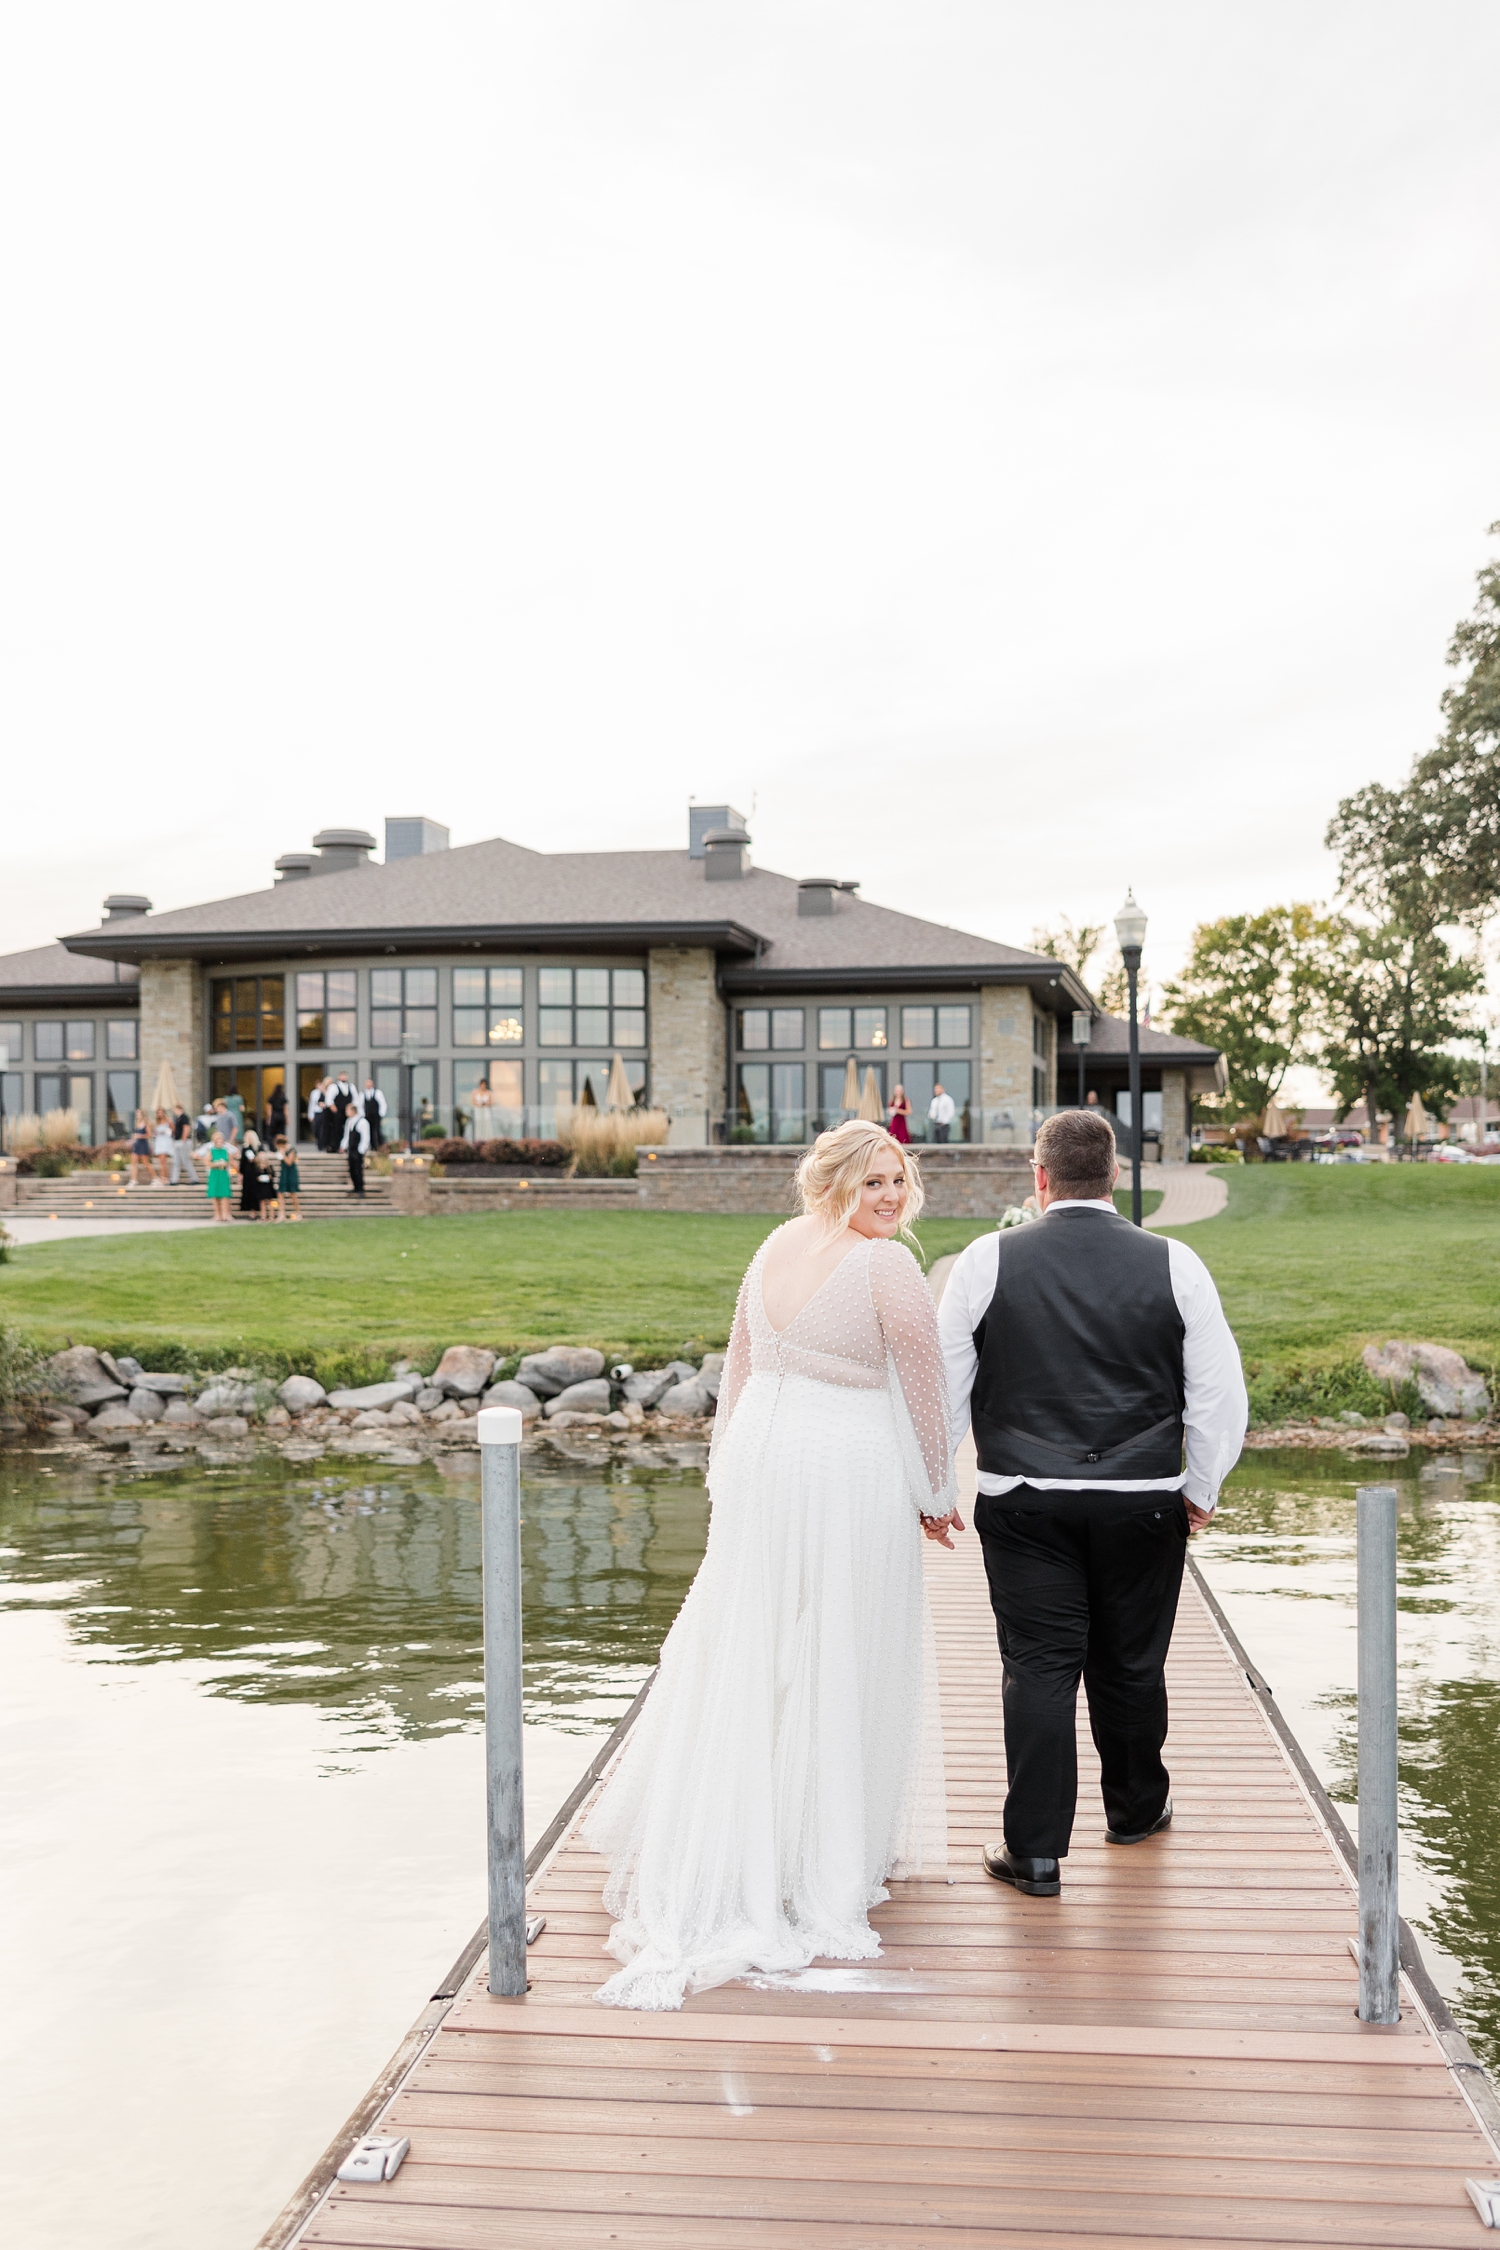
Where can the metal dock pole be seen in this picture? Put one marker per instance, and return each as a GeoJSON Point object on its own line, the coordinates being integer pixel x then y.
{"type": "Point", "coordinates": [1379, 1926]}
{"type": "Point", "coordinates": [500, 1479]}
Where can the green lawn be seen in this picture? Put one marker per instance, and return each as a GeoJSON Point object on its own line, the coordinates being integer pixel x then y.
{"type": "Point", "coordinates": [1315, 1261]}
{"type": "Point", "coordinates": [336, 1296]}
{"type": "Point", "coordinates": [1312, 1261]}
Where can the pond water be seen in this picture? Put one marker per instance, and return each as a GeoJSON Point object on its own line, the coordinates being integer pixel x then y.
{"type": "Point", "coordinates": [240, 1741]}
{"type": "Point", "coordinates": [241, 1734]}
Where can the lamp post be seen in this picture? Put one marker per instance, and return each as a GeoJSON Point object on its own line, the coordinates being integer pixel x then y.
{"type": "Point", "coordinates": [1130, 929]}
{"type": "Point", "coordinates": [1083, 1026]}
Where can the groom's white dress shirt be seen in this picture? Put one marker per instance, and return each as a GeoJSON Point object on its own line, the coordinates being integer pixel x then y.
{"type": "Point", "coordinates": [1216, 1410]}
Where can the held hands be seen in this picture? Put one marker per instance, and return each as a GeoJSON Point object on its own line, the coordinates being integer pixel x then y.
{"type": "Point", "coordinates": [937, 1528]}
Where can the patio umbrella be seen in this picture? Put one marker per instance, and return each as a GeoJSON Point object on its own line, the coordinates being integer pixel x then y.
{"type": "Point", "coordinates": [165, 1096]}
{"type": "Point", "coordinates": [1416, 1118]}
{"type": "Point", "coordinates": [1275, 1124]}
{"type": "Point", "coordinates": [871, 1107]}
{"type": "Point", "coordinates": [850, 1102]}
{"type": "Point", "coordinates": [617, 1094]}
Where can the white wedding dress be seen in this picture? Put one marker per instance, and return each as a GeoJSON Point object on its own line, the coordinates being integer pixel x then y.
{"type": "Point", "coordinates": [789, 1756]}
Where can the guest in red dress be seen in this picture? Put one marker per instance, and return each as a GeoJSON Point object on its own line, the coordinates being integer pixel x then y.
{"type": "Point", "coordinates": [900, 1111]}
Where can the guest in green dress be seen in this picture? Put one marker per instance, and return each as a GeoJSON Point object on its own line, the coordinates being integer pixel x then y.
{"type": "Point", "coordinates": [288, 1182]}
{"type": "Point", "coordinates": [220, 1186]}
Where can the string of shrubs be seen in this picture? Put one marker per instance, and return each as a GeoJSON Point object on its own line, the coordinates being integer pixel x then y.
{"type": "Point", "coordinates": [533, 1156]}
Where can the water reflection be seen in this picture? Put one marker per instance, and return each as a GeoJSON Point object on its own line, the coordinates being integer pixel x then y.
{"type": "Point", "coordinates": [353, 1590]}
{"type": "Point", "coordinates": [1281, 1558]}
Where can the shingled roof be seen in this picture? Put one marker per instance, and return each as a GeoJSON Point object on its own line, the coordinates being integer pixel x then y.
{"type": "Point", "coordinates": [499, 893]}
{"type": "Point", "coordinates": [47, 973]}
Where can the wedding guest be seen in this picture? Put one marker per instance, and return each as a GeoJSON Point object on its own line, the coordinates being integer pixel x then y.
{"type": "Point", "coordinates": [161, 1145]}
{"type": "Point", "coordinates": [345, 1100]}
{"type": "Point", "coordinates": [900, 1112]}
{"type": "Point", "coordinates": [276, 1113]}
{"type": "Point", "coordinates": [941, 1111]}
{"type": "Point", "coordinates": [315, 1114]}
{"type": "Point", "coordinates": [250, 1177]}
{"type": "Point", "coordinates": [356, 1146]}
{"type": "Point", "coordinates": [289, 1183]}
{"type": "Point", "coordinates": [235, 1105]}
{"type": "Point", "coordinates": [140, 1152]}
{"type": "Point", "coordinates": [220, 1186]}
{"type": "Point", "coordinates": [182, 1149]}
{"type": "Point", "coordinates": [372, 1104]}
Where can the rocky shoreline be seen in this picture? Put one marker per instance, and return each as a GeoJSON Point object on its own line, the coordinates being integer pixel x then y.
{"type": "Point", "coordinates": [566, 1396]}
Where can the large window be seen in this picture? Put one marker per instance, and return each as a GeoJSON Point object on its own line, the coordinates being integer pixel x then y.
{"type": "Point", "coordinates": [80, 1042]}
{"type": "Point", "coordinates": [10, 1039]}
{"type": "Point", "coordinates": [67, 1090]}
{"type": "Point", "coordinates": [487, 1008]}
{"type": "Point", "coordinates": [12, 1101]}
{"type": "Point", "coordinates": [925, 1026]}
{"type": "Point", "coordinates": [772, 1104]}
{"type": "Point", "coordinates": [327, 1008]}
{"type": "Point", "coordinates": [122, 1036]}
{"type": "Point", "coordinates": [403, 1005]}
{"type": "Point", "coordinates": [761, 1028]}
{"type": "Point", "coordinates": [255, 1087]}
{"type": "Point", "coordinates": [1039, 1062]}
{"type": "Point", "coordinates": [123, 1089]}
{"type": "Point", "coordinates": [503, 1083]}
{"type": "Point", "coordinates": [861, 1028]}
{"type": "Point", "coordinates": [591, 1007]}
{"type": "Point", "coordinates": [47, 1042]}
{"type": "Point", "coordinates": [921, 1081]}
{"type": "Point", "coordinates": [247, 1012]}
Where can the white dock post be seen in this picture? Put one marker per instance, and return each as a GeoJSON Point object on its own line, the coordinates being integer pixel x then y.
{"type": "Point", "coordinates": [500, 1476]}
{"type": "Point", "coordinates": [1379, 1911]}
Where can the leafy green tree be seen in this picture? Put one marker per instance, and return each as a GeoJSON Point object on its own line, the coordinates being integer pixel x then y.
{"type": "Point", "coordinates": [1249, 987]}
{"type": "Point", "coordinates": [1389, 1001]}
{"type": "Point", "coordinates": [1078, 944]}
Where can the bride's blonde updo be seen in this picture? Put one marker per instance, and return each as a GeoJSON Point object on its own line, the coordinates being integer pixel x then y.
{"type": "Point", "coordinates": [832, 1173]}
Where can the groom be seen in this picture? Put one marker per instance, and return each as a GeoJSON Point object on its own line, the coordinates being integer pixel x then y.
{"type": "Point", "coordinates": [1090, 1357]}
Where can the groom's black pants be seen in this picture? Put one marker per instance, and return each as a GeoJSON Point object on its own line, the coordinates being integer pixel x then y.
{"type": "Point", "coordinates": [1084, 1584]}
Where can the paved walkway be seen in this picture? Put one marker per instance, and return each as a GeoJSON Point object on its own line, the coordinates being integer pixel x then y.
{"type": "Point", "coordinates": [1189, 1192]}
{"type": "Point", "coordinates": [21, 1229]}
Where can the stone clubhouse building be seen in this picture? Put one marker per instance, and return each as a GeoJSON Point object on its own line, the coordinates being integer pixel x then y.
{"type": "Point", "coordinates": [744, 1003]}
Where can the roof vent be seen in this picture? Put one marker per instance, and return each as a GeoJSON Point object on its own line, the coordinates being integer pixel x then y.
{"type": "Point", "coordinates": [409, 836]}
{"type": "Point", "coordinates": [292, 866]}
{"type": "Point", "coordinates": [726, 854]}
{"type": "Point", "coordinates": [819, 894]}
{"type": "Point", "coordinates": [120, 905]}
{"type": "Point", "coordinates": [341, 848]}
{"type": "Point", "coordinates": [704, 819]}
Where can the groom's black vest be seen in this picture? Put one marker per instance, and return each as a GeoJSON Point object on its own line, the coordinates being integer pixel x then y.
{"type": "Point", "coordinates": [1080, 1355]}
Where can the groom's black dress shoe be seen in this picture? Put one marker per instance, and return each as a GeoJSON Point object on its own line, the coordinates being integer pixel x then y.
{"type": "Point", "coordinates": [1038, 1878]}
{"type": "Point", "coordinates": [1139, 1835]}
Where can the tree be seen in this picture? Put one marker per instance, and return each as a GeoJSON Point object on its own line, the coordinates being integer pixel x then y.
{"type": "Point", "coordinates": [1248, 987]}
{"type": "Point", "coordinates": [1389, 999]}
{"type": "Point", "coordinates": [1077, 944]}
{"type": "Point", "coordinates": [1432, 848]}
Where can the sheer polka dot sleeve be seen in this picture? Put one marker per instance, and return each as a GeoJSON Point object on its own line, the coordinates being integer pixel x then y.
{"type": "Point", "coordinates": [738, 1360]}
{"type": "Point", "coordinates": [908, 1322]}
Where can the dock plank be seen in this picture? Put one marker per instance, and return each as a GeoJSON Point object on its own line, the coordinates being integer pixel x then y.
{"type": "Point", "coordinates": [1169, 2052]}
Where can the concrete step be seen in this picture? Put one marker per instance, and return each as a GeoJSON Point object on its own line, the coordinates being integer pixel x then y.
{"type": "Point", "coordinates": [100, 1196]}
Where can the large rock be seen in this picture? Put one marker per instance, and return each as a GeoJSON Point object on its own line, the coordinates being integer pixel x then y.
{"type": "Point", "coordinates": [225, 1397]}
{"type": "Point", "coordinates": [165, 1386]}
{"type": "Point", "coordinates": [649, 1384]}
{"type": "Point", "coordinates": [463, 1371]}
{"type": "Point", "coordinates": [80, 1373]}
{"type": "Point", "coordinates": [685, 1398]}
{"type": "Point", "coordinates": [524, 1400]}
{"type": "Point", "coordinates": [115, 1418]}
{"type": "Point", "coordinates": [181, 1414]}
{"type": "Point", "coordinates": [376, 1394]}
{"type": "Point", "coordinates": [404, 1411]}
{"type": "Point", "coordinates": [147, 1406]}
{"type": "Point", "coordinates": [710, 1373]}
{"type": "Point", "coordinates": [553, 1370]}
{"type": "Point", "coordinates": [1446, 1384]}
{"type": "Point", "coordinates": [124, 1369]}
{"type": "Point", "coordinates": [227, 1426]}
{"type": "Point", "coordinates": [299, 1393]}
{"type": "Point", "coordinates": [580, 1398]}
{"type": "Point", "coordinates": [426, 1399]}
{"type": "Point", "coordinates": [373, 1419]}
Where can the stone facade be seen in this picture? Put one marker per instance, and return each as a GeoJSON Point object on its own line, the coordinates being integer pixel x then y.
{"type": "Point", "coordinates": [1174, 1117]}
{"type": "Point", "coordinates": [1005, 1060]}
{"type": "Point", "coordinates": [687, 1040]}
{"type": "Point", "coordinates": [172, 1029]}
{"type": "Point", "coordinates": [961, 1182]}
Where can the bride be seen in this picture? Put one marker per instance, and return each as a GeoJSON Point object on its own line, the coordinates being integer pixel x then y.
{"type": "Point", "coordinates": [789, 1757]}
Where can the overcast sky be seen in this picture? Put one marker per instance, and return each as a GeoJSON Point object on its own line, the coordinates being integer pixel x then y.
{"type": "Point", "coordinates": [1010, 452]}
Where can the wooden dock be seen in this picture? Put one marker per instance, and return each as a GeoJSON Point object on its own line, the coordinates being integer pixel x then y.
{"type": "Point", "coordinates": [1170, 2052]}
